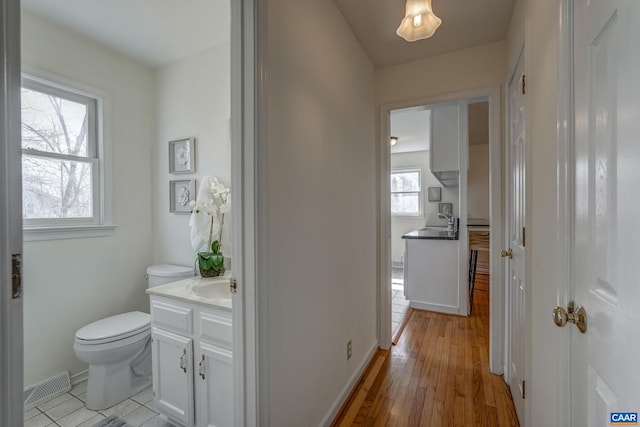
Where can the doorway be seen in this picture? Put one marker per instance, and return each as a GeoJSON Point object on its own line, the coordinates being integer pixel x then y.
{"type": "Point", "coordinates": [492, 97]}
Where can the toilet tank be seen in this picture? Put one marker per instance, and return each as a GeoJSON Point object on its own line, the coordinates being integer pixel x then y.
{"type": "Point", "coordinates": [167, 273]}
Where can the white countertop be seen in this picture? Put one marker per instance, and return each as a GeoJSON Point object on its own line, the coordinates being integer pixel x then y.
{"type": "Point", "coordinates": [213, 291]}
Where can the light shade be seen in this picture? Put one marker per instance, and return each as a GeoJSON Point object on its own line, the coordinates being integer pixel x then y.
{"type": "Point", "coordinates": [419, 21]}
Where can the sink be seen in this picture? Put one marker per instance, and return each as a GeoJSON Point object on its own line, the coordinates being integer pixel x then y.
{"type": "Point", "coordinates": [433, 229]}
{"type": "Point", "coordinates": [218, 289]}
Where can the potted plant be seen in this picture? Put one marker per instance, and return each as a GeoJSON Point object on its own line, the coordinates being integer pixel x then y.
{"type": "Point", "coordinates": [207, 221]}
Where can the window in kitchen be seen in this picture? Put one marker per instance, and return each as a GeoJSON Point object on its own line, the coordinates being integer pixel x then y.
{"type": "Point", "coordinates": [406, 192]}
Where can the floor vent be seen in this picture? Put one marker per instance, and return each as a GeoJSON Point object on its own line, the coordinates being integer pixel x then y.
{"type": "Point", "coordinates": [47, 389]}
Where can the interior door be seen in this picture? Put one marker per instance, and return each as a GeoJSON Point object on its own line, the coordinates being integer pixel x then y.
{"type": "Point", "coordinates": [11, 362]}
{"type": "Point", "coordinates": [604, 360]}
{"type": "Point", "coordinates": [515, 254]}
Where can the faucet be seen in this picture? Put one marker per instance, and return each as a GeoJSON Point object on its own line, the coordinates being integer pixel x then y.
{"type": "Point", "coordinates": [451, 221]}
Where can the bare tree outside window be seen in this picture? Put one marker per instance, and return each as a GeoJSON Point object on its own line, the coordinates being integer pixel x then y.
{"type": "Point", "coordinates": [58, 155]}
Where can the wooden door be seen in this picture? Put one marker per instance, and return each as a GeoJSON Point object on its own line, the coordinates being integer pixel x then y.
{"type": "Point", "coordinates": [604, 360]}
{"type": "Point", "coordinates": [515, 260]}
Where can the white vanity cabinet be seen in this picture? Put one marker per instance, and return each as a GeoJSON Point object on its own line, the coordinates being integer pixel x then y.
{"type": "Point", "coordinates": [192, 362]}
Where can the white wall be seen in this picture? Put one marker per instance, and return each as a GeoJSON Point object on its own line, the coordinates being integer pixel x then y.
{"type": "Point", "coordinates": [193, 100]}
{"type": "Point", "coordinates": [478, 182]}
{"type": "Point", "coordinates": [477, 67]}
{"type": "Point", "coordinates": [69, 283]}
{"type": "Point", "coordinates": [320, 186]}
{"type": "Point", "coordinates": [403, 224]}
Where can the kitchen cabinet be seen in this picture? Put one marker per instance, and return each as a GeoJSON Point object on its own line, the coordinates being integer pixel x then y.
{"type": "Point", "coordinates": [192, 362]}
{"type": "Point", "coordinates": [432, 275]}
{"type": "Point", "coordinates": [444, 157]}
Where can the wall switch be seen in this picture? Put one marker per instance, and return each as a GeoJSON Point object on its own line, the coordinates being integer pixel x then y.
{"type": "Point", "coordinates": [348, 349]}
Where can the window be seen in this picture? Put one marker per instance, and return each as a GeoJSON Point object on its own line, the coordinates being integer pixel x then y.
{"type": "Point", "coordinates": [406, 192]}
{"type": "Point", "coordinates": [61, 162]}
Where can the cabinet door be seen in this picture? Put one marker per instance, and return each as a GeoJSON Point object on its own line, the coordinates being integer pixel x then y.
{"type": "Point", "coordinates": [214, 386]}
{"type": "Point", "coordinates": [445, 137]}
{"type": "Point", "coordinates": [173, 375]}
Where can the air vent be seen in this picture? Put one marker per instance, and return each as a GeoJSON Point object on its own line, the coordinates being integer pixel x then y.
{"type": "Point", "coordinates": [47, 389]}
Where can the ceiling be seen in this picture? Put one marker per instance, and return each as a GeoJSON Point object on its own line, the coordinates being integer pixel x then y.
{"type": "Point", "coordinates": [174, 32]}
{"type": "Point", "coordinates": [411, 126]}
{"type": "Point", "coordinates": [465, 24]}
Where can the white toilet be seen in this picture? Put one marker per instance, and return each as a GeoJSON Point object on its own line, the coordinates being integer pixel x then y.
{"type": "Point", "coordinates": [118, 348]}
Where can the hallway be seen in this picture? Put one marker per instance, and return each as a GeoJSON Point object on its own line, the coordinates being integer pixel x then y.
{"type": "Point", "coordinates": [437, 375]}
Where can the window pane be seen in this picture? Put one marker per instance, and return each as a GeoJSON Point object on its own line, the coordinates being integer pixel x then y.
{"type": "Point", "coordinates": [53, 124]}
{"type": "Point", "coordinates": [405, 204]}
{"type": "Point", "coordinates": [53, 188]}
{"type": "Point", "coordinates": [405, 181]}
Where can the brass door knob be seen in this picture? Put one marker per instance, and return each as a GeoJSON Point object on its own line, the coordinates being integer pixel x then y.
{"type": "Point", "coordinates": [507, 254]}
{"type": "Point", "coordinates": [577, 316]}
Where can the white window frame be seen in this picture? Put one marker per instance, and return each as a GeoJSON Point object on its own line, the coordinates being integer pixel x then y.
{"type": "Point", "coordinates": [420, 192]}
{"type": "Point", "coordinates": [98, 154]}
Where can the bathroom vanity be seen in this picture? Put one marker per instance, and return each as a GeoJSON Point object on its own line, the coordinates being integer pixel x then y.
{"type": "Point", "coordinates": [431, 269]}
{"type": "Point", "coordinates": [192, 351]}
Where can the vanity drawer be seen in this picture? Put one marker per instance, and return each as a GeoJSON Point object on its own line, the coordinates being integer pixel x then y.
{"type": "Point", "coordinates": [216, 328]}
{"type": "Point", "coordinates": [172, 317]}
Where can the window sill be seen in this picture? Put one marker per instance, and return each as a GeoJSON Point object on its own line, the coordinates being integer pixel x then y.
{"type": "Point", "coordinates": [36, 234]}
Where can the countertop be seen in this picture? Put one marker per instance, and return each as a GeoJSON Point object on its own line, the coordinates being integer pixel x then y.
{"type": "Point", "coordinates": [432, 233]}
{"type": "Point", "coordinates": [193, 289]}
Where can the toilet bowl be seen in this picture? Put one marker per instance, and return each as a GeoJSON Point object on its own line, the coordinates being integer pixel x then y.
{"type": "Point", "coordinates": [118, 348]}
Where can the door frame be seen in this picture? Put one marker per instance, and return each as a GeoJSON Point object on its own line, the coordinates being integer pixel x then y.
{"type": "Point", "coordinates": [248, 41]}
{"type": "Point", "coordinates": [566, 197]}
{"type": "Point", "coordinates": [496, 303]}
{"type": "Point", "coordinates": [11, 336]}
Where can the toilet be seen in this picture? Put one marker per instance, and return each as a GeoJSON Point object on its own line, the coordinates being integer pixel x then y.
{"type": "Point", "coordinates": [118, 348]}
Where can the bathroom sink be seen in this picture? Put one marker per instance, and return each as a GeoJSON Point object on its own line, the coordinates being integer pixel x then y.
{"type": "Point", "coordinates": [218, 289]}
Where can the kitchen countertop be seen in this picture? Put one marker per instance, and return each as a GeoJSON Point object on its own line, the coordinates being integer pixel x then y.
{"type": "Point", "coordinates": [213, 292]}
{"type": "Point", "coordinates": [432, 233]}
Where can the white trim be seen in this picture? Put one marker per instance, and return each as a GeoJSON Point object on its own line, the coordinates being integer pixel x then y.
{"type": "Point", "coordinates": [11, 310]}
{"type": "Point", "coordinates": [349, 387]}
{"type": "Point", "coordinates": [36, 234]}
{"type": "Point", "coordinates": [566, 196]}
{"type": "Point", "coordinates": [497, 314]}
{"type": "Point", "coordinates": [448, 309]}
{"type": "Point", "coordinates": [79, 378]}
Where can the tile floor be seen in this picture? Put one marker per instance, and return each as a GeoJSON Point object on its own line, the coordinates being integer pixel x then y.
{"type": "Point", "coordinates": [399, 305]}
{"type": "Point", "coordinates": [68, 410]}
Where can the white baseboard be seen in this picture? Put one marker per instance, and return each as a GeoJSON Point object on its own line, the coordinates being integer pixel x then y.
{"type": "Point", "coordinates": [448, 309]}
{"type": "Point", "coordinates": [79, 377]}
{"type": "Point", "coordinates": [346, 391]}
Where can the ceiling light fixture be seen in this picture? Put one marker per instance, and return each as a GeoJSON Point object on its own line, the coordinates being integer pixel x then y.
{"type": "Point", "coordinates": [419, 21]}
{"type": "Point", "coordinates": [393, 140]}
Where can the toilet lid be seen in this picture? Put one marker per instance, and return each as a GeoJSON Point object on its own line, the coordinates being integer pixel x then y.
{"type": "Point", "coordinates": [119, 326]}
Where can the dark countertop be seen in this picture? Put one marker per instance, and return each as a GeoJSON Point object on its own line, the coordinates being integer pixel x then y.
{"type": "Point", "coordinates": [477, 222]}
{"type": "Point", "coordinates": [432, 233]}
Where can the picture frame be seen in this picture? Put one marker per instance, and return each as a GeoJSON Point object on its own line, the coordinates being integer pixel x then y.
{"type": "Point", "coordinates": [181, 193]}
{"type": "Point", "coordinates": [182, 156]}
{"type": "Point", "coordinates": [445, 208]}
{"type": "Point", "coordinates": [434, 194]}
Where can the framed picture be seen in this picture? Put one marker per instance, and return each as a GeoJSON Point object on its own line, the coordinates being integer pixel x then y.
{"type": "Point", "coordinates": [180, 194]}
{"type": "Point", "coordinates": [433, 194]}
{"type": "Point", "coordinates": [445, 208]}
{"type": "Point", "coordinates": [182, 156]}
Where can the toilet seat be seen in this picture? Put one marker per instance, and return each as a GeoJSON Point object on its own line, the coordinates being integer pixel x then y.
{"type": "Point", "coordinates": [114, 328]}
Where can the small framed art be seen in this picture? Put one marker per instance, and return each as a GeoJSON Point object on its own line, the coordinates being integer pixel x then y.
{"type": "Point", "coordinates": [182, 156]}
{"type": "Point", "coordinates": [181, 193]}
{"type": "Point", "coordinates": [434, 194]}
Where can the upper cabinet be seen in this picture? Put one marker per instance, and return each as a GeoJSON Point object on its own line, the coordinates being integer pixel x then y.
{"type": "Point", "coordinates": [446, 125]}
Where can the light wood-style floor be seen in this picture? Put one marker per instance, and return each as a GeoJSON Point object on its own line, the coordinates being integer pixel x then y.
{"type": "Point", "coordinates": [436, 375]}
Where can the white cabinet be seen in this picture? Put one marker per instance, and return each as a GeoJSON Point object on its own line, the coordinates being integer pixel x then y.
{"type": "Point", "coordinates": [446, 125]}
{"type": "Point", "coordinates": [432, 275]}
{"type": "Point", "coordinates": [192, 363]}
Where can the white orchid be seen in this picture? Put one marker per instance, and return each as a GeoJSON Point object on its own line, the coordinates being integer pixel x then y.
{"type": "Point", "coordinates": [207, 213]}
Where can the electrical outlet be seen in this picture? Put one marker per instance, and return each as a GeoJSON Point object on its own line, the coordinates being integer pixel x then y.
{"type": "Point", "coordinates": [348, 349]}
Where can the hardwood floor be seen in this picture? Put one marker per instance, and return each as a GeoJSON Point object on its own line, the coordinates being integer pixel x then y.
{"type": "Point", "coordinates": [436, 375]}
